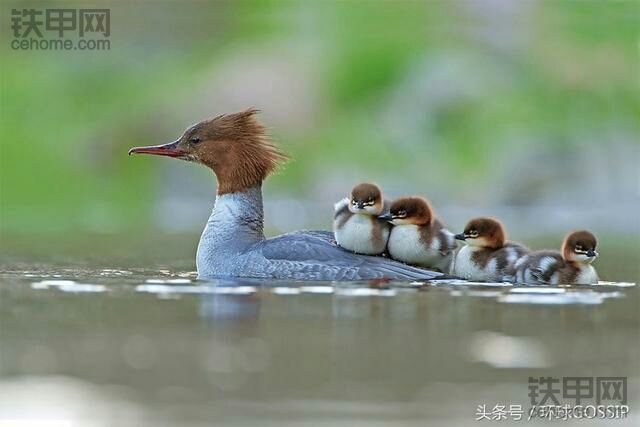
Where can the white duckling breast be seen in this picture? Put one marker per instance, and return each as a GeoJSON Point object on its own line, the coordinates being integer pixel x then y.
{"type": "Point", "coordinates": [406, 245]}
{"type": "Point", "coordinates": [362, 234]}
{"type": "Point", "coordinates": [466, 267]}
{"type": "Point", "coordinates": [587, 276]}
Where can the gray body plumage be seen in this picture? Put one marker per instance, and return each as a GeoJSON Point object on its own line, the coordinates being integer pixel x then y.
{"type": "Point", "coordinates": [233, 245]}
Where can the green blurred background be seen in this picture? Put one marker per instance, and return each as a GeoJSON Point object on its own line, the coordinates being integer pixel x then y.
{"type": "Point", "coordinates": [525, 110]}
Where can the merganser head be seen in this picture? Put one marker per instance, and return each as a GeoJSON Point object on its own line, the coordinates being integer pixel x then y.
{"type": "Point", "coordinates": [235, 146]}
{"type": "Point", "coordinates": [580, 246]}
{"type": "Point", "coordinates": [483, 232]}
{"type": "Point", "coordinates": [409, 210]}
{"type": "Point", "coordinates": [366, 198]}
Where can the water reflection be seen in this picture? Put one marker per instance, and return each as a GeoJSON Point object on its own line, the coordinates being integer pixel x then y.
{"type": "Point", "coordinates": [504, 351]}
{"type": "Point", "coordinates": [68, 286]}
{"type": "Point", "coordinates": [230, 305]}
{"type": "Point", "coordinates": [61, 401]}
{"type": "Point", "coordinates": [173, 288]}
{"type": "Point", "coordinates": [153, 347]}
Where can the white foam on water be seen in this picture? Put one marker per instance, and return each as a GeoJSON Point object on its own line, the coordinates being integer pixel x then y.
{"type": "Point", "coordinates": [471, 293]}
{"type": "Point", "coordinates": [154, 288]}
{"type": "Point", "coordinates": [45, 284]}
{"type": "Point", "coordinates": [169, 281]}
{"type": "Point", "coordinates": [366, 292]}
{"type": "Point", "coordinates": [283, 290]}
{"type": "Point", "coordinates": [317, 289]}
{"type": "Point", "coordinates": [83, 287]}
{"type": "Point", "coordinates": [587, 298]}
{"type": "Point", "coordinates": [540, 290]}
{"type": "Point", "coordinates": [234, 290]}
{"type": "Point", "coordinates": [617, 284]}
{"type": "Point", "coordinates": [68, 286]}
{"type": "Point", "coordinates": [459, 282]}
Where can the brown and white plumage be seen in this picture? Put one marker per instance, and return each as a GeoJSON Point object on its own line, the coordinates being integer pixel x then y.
{"type": "Point", "coordinates": [487, 255]}
{"type": "Point", "coordinates": [417, 237]}
{"type": "Point", "coordinates": [571, 266]}
{"type": "Point", "coordinates": [356, 225]}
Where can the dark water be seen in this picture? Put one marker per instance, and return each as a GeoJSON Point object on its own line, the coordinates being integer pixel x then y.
{"type": "Point", "coordinates": [132, 347]}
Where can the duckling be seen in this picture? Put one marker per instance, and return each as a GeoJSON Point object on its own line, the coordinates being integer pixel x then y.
{"type": "Point", "coordinates": [487, 256]}
{"type": "Point", "coordinates": [356, 225]}
{"type": "Point", "coordinates": [571, 266]}
{"type": "Point", "coordinates": [417, 237]}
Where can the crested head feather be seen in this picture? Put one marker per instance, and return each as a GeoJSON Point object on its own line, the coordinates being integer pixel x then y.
{"type": "Point", "coordinates": [236, 146]}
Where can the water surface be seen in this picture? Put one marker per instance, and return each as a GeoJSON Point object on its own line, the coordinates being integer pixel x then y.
{"type": "Point", "coordinates": [148, 347]}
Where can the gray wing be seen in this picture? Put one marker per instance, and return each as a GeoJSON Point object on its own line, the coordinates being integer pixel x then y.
{"type": "Point", "coordinates": [341, 208]}
{"type": "Point", "coordinates": [539, 275]}
{"type": "Point", "coordinates": [447, 240]}
{"type": "Point", "coordinates": [315, 255]}
{"type": "Point", "coordinates": [520, 249]}
{"type": "Point", "coordinates": [543, 276]}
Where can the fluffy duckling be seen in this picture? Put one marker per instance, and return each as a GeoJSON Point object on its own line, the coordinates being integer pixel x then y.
{"type": "Point", "coordinates": [417, 237]}
{"type": "Point", "coordinates": [571, 266]}
{"type": "Point", "coordinates": [487, 255]}
{"type": "Point", "coordinates": [356, 225]}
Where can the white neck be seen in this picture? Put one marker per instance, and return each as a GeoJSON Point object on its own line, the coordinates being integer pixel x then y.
{"type": "Point", "coordinates": [235, 224]}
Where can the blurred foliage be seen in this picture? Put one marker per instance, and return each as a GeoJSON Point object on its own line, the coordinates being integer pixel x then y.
{"type": "Point", "coordinates": [68, 118]}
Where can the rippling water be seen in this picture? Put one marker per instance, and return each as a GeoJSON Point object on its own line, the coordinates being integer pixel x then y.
{"type": "Point", "coordinates": [134, 347]}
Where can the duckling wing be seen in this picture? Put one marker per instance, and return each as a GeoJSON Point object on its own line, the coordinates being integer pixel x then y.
{"type": "Point", "coordinates": [539, 275]}
{"type": "Point", "coordinates": [543, 264]}
{"type": "Point", "coordinates": [446, 238]}
{"type": "Point", "coordinates": [341, 207]}
{"type": "Point", "coordinates": [314, 255]}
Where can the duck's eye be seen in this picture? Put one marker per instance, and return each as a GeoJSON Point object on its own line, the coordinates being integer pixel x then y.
{"type": "Point", "coordinates": [579, 248]}
{"type": "Point", "coordinates": [194, 139]}
{"type": "Point", "coordinates": [402, 214]}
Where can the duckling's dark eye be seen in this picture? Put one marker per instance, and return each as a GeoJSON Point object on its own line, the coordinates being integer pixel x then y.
{"type": "Point", "coordinates": [402, 213]}
{"type": "Point", "coordinates": [578, 247]}
{"type": "Point", "coordinates": [194, 139]}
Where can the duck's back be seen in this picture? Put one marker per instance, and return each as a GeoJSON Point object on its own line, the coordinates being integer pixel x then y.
{"type": "Point", "coordinates": [314, 255]}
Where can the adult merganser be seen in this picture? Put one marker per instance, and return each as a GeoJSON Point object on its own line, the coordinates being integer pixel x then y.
{"type": "Point", "coordinates": [417, 237]}
{"type": "Point", "coordinates": [236, 148]}
{"type": "Point", "coordinates": [487, 256]}
{"type": "Point", "coordinates": [572, 266]}
{"type": "Point", "coordinates": [356, 225]}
